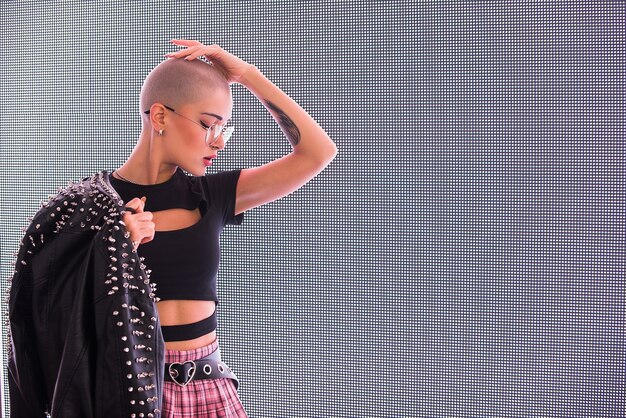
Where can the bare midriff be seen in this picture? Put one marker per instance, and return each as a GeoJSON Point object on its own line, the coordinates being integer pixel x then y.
{"type": "Point", "coordinates": [180, 312]}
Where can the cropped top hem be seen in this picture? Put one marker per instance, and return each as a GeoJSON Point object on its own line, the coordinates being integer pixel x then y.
{"type": "Point", "coordinates": [189, 297]}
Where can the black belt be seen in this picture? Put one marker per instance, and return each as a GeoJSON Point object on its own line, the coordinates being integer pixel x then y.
{"type": "Point", "coordinates": [209, 367]}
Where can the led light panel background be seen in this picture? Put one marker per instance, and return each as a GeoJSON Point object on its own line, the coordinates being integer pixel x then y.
{"type": "Point", "coordinates": [464, 253]}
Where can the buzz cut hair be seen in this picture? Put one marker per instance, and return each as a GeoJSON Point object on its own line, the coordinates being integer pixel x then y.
{"type": "Point", "coordinates": [176, 82]}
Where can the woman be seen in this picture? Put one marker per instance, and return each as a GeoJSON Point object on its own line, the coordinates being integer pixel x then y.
{"type": "Point", "coordinates": [186, 104]}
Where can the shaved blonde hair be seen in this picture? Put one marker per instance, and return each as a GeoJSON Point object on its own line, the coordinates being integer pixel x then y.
{"type": "Point", "coordinates": [176, 82]}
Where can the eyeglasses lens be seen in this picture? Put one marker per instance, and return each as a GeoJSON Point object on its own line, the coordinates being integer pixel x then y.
{"type": "Point", "coordinates": [214, 132]}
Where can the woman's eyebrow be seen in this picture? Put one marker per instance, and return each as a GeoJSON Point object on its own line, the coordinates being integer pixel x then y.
{"type": "Point", "coordinates": [213, 114]}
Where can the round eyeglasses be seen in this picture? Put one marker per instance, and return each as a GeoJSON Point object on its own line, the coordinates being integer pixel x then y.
{"type": "Point", "coordinates": [212, 133]}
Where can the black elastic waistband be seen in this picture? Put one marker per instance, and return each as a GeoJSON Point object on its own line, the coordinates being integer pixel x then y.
{"type": "Point", "coordinates": [190, 331]}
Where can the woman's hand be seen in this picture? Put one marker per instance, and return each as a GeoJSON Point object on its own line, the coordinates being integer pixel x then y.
{"type": "Point", "coordinates": [231, 66]}
{"type": "Point", "coordinates": [139, 224]}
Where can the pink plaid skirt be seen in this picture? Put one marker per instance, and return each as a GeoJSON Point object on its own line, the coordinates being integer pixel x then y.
{"type": "Point", "coordinates": [210, 398]}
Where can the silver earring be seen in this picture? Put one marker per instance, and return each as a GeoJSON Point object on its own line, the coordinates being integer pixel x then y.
{"type": "Point", "coordinates": [161, 132]}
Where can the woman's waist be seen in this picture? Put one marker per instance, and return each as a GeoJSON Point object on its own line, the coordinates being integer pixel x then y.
{"type": "Point", "coordinates": [180, 312]}
{"type": "Point", "coordinates": [192, 344]}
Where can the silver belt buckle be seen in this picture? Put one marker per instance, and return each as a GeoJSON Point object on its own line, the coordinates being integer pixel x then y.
{"type": "Point", "coordinates": [190, 373]}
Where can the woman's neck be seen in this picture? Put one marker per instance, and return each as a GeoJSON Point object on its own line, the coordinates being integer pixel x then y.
{"type": "Point", "coordinates": [145, 166]}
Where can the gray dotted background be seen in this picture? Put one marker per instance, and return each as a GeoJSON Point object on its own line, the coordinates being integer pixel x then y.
{"type": "Point", "coordinates": [464, 254]}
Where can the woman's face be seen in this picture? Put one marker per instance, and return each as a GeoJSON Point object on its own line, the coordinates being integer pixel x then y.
{"type": "Point", "coordinates": [186, 139]}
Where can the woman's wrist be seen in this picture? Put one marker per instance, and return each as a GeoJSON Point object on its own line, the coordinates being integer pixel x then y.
{"type": "Point", "coordinates": [250, 76]}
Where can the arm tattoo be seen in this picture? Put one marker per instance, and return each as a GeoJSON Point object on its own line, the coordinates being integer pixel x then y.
{"type": "Point", "coordinates": [289, 128]}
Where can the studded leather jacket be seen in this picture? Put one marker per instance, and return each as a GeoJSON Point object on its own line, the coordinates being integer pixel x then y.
{"type": "Point", "coordinates": [84, 331]}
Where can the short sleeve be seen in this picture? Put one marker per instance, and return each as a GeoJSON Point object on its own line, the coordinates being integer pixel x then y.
{"type": "Point", "coordinates": [221, 189]}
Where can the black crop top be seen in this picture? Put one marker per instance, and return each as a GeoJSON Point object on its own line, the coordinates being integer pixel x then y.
{"type": "Point", "coordinates": [184, 262]}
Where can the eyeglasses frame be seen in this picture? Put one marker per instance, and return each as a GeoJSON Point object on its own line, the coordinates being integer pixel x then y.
{"type": "Point", "coordinates": [225, 131]}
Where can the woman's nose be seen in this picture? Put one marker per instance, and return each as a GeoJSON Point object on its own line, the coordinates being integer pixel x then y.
{"type": "Point", "coordinates": [218, 144]}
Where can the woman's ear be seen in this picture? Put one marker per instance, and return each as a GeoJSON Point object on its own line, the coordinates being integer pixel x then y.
{"type": "Point", "coordinates": [157, 116]}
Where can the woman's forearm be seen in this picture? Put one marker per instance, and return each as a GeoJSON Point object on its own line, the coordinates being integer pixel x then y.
{"type": "Point", "coordinates": [307, 138]}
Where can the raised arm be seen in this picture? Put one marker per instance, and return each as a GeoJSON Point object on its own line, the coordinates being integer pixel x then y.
{"type": "Point", "coordinates": [312, 148]}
